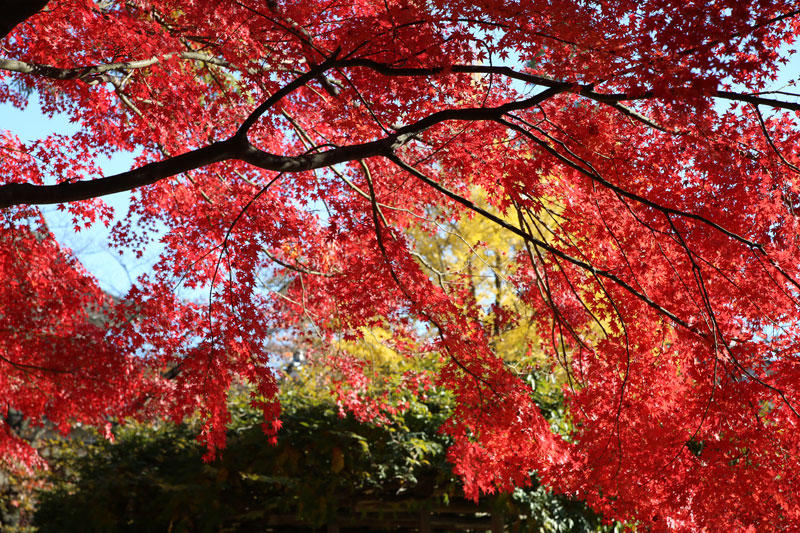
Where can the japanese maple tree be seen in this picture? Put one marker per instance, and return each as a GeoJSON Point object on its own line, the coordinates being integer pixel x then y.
{"type": "Point", "coordinates": [638, 151]}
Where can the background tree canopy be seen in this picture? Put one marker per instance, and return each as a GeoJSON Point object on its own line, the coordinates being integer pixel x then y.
{"type": "Point", "coordinates": [324, 469]}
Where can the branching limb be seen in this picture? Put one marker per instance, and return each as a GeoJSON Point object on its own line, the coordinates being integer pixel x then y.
{"type": "Point", "coordinates": [553, 250]}
{"type": "Point", "coordinates": [238, 147]}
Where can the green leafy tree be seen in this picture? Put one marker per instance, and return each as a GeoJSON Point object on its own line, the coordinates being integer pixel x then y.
{"type": "Point", "coordinates": [324, 468]}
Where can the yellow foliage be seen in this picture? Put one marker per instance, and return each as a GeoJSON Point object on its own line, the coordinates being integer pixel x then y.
{"type": "Point", "coordinates": [373, 347]}
{"type": "Point", "coordinates": [471, 256]}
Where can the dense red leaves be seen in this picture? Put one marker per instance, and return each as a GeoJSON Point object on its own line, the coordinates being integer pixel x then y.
{"type": "Point", "coordinates": [659, 213]}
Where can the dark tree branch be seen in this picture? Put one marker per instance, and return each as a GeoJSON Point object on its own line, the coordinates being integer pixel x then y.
{"type": "Point", "coordinates": [595, 176]}
{"type": "Point", "coordinates": [534, 241]}
{"type": "Point", "coordinates": [25, 193]}
{"type": "Point", "coordinates": [238, 147]}
{"type": "Point", "coordinates": [583, 90]}
{"type": "Point", "coordinates": [287, 89]}
{"type": "Point", "coordinates": [100, 72]}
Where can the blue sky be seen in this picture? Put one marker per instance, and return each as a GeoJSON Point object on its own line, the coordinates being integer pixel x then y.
{"type": "Point", "coordinates": [114, 272]}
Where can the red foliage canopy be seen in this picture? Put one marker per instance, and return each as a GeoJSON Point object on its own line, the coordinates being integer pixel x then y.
{"type": "Point", "coordinates": [635, 146]}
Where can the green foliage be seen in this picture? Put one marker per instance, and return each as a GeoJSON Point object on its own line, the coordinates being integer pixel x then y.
{"type": "Point", "coordinates": [152, 478]}
{"type": "Point", "coordinates": [16, 501]}
{"type": "Point", "coordinates": [555, 513]}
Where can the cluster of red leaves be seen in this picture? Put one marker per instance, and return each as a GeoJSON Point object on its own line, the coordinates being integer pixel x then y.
{"type": "Point", "coordinates": [630, 144]}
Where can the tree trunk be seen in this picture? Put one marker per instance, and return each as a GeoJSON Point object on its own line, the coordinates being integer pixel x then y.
{"type": "Point", "coordinates": [424, 521]}
{"type": "Point", "coordinates": [498, 522]}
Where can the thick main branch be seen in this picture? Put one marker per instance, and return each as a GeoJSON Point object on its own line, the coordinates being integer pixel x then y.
{"type": "Point", "coordinates": [238, 147]}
